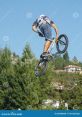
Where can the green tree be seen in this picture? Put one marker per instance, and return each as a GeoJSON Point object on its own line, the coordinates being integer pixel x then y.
{"type": "Point", "coordinates": [75, 60]}
{"type": "Point", "coordinates": [27, 53]}
{"type": "Point", "coordinates": [59, 63]}
{"type": "Point", "coordinates": [20, 88]}
{"type": "Point", "coordinates": [66, 57]}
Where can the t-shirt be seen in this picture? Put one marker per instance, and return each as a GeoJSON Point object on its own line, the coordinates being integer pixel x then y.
{"type": "Point", "coordinates": [42, 20]}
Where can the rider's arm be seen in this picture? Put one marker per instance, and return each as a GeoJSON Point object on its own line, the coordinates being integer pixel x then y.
{"type": "Point", "coordinates": [36, 29]}
{"type": "Point", "coordinates": [52, 25]}
{"type": "Point", "coordinates": [55, 28]}
{"type": "Point", "coordinates": [34, 26]}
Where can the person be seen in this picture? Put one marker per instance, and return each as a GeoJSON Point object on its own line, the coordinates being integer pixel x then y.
{"type": "Point", "coordinates": [42, 25]}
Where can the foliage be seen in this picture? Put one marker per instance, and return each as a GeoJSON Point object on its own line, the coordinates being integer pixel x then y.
{"type": "Point", "coordinates": [19, 88]}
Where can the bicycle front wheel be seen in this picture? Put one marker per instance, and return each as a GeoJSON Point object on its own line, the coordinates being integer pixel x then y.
{"type": "Point", "coordinates": [62, 43]}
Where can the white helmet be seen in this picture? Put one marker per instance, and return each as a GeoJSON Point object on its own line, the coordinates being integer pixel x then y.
{"type": "Point", "coordinates": [41, 16]}
{"type": "Point", "coordinates": [40, 19]}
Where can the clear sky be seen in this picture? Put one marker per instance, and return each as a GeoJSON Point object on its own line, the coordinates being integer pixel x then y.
{"type": "Point", "coordinates": [17, 16]}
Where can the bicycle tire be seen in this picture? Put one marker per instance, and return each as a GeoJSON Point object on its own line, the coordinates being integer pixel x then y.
{"type": "Point", "coordinates": [40, 69]}
{"type": "Point", "coordinates": [62, 43]}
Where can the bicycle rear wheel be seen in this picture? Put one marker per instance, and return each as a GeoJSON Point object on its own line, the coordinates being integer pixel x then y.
{"type": "Point", "coordinates": [40, 69]}
{"type": "Point", "coordinates": [62, 43]}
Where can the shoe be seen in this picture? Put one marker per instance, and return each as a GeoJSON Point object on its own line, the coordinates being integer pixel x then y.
{"type": "Point", "coordinates": [44, 55]}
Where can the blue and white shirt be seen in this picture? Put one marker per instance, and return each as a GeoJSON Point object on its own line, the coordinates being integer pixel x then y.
{"type": "Point", "coordinates": [42, 19]}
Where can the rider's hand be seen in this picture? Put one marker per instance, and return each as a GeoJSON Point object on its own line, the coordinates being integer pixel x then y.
{"type": "Point", "coordinates": [40, 34]}
{"type": "Point", "coordinates": [34, 28]}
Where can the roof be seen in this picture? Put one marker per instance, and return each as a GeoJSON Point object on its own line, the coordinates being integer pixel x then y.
{"type": "Point", "coordinates": [72, 66]}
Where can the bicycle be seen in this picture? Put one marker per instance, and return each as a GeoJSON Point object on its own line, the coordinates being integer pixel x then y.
{"type": "Point", "coordinates": [61, 46]}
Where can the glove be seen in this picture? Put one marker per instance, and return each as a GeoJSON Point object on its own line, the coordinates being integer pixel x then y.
{"type": "Point", "coordinates": [40, 34]}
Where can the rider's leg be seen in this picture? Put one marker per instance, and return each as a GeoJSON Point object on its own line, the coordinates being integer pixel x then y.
{"type": "Point", "coordinates": [47, 45]}
{"type": "Point", "coordinates": [46, 28]}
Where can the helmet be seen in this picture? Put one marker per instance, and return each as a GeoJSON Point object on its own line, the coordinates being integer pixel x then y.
{"type": "Point", "coordinates": [40, 19]}
{"type": "Point", "coordinates": [41, 15]}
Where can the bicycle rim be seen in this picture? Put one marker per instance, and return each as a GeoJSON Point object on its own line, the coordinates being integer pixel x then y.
{"type": "Point", "coordinates": [62, 43]}
{"type": "Point", "coordinates": [40, 69]}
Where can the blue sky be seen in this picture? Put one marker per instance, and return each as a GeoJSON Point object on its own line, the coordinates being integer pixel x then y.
{"type": "Point", "coordinates": [17, 16]}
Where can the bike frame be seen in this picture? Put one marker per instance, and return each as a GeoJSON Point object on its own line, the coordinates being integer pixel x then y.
{"type": "Point", "coordinates": [51, 46]}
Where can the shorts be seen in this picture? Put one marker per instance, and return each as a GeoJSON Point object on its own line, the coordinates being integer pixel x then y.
{"type": "Point", "coordinates": [46, 30]}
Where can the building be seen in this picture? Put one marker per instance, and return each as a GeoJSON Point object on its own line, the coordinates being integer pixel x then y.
{"type": "Point", "coordinates": [54, 104]}
{"type": "Point", "coordinates": [72, 69]}
{"type": "Point", "coordinates": [47, 102]}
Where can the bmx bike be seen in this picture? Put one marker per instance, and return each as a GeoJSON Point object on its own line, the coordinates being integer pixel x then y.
{"type": "Point", "coordinates": [61, 46]}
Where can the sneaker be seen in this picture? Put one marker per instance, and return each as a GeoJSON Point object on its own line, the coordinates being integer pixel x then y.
{"type": "Point", "coordinates": [44, 55]}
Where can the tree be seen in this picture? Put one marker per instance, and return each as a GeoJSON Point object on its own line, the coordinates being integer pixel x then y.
{"type": "Point", "coordinates": [27, 53]}
{"type": "Point", "coordinates": [66, 57]}
{"type": "Point", "coordinates": [75, 60]}
{"type": "Point", "coordinates": [59, 63]}
{"type": "Point", "coordinates": [20, 88]}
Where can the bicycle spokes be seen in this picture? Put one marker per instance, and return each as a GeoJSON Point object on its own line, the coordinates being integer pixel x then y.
{"type": "Point", "coordinates": [40, 68]}
{"type": "Point", "coordinates": [62, 43]}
